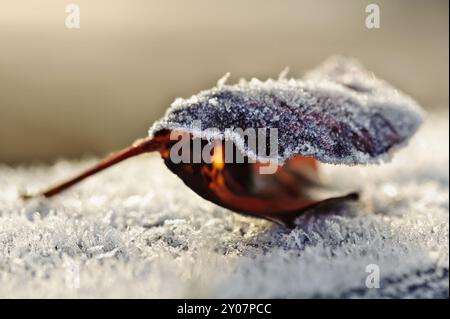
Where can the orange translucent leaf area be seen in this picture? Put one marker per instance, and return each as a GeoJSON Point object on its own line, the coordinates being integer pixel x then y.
{"type": "Point", "coordinates": [237, 185]}
{"type": "Point", "coordinates": [241, 187]}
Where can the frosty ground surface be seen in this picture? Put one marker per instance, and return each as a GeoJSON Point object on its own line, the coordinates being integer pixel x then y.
{"type": "Point", "coordinates": [137, 231]}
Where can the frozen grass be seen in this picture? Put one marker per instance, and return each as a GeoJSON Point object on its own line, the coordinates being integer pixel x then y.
{"type": "Point", "coordinates": [137, 231]}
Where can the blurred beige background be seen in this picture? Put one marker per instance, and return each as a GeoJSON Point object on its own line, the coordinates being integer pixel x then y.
{"type": "Point", "coordinates": [68, 92]}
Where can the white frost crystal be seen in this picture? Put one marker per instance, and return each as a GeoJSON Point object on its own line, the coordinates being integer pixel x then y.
{"type": "Point", "coordinates": [338, 113]}
{"type": "Point", "coordinates": [138, 231]}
